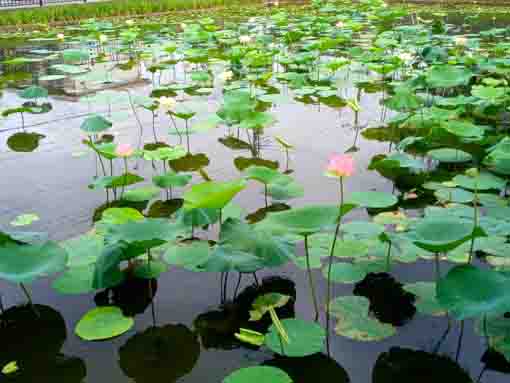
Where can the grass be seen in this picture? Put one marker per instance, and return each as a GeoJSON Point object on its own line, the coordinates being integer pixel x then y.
{"type": "Point", "coordinates": [116, 8]}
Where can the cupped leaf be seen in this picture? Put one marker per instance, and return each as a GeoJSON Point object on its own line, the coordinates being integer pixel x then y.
{"type": "Point", "coordinates": [95, 124]}
{"type": "Point", "coordinates": [213, 195]}
{"type": "Point", "coordinates": [25, 263]}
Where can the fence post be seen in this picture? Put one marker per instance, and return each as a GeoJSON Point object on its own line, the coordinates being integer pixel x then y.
{"type": "Point", "coordinates": [41, 3]}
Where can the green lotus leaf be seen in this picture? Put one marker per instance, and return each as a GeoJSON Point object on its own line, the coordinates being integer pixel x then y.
{"type": "Point", "coordinates": [171, 179]}
{"type": "Point", "coordinates": [468, 291]}
{"type": "Point", "coordinates": [25, 263]}
{"type": "Point", "coordinates": [25, 219]}
{"type": "Point", "coordinates": [264, 174]}
{"type": "Point", "coordinates": [305, 338]}
{"type": "Point", "coordinates": [190, 256]}
{"type": "Point", "coordinates": [110, 182]}
{"type": "Point", "coordinates": [76, 280]}
{"type": "Point", "coordinates": [120, 215]}
{"type": "Point", "coordinates": [362, 228]}
{"type": "Point", "coordinates": [149, 270]}
{"type": "Point", "coordinates": [24, 142]}
{"type": "Point", "coordinates": [450, 156]}
{"type": "Point", "coordinates": [426, 301]}
{"type": "Point", "coordinates": [443, 234]}
{"type": "Point", "coordinates": [355, 322]}
{"type": "Point", "coordinates": [372, 199]}
{"type": "Point", "coordinates": [213, 195]}
{"type": "Point", "coordinates": [463, 128]}
{"type": "Point", "coordinates": [225, 258]}
{"type": "Point", "coordinates": [454, 195]}
{"type": "Point", "coordinates": [303, 221]}
{"type": "Point", "coordinates": [266, 302]}
{"type": "Point", "coordinates": [34, 92]}
{"type": "Point", "coordinates": [484, 181]}
{"type": "Point", "coordinates": [103, 323]}
{"type": "Point", "coordinates": [497, 329]}
{"type": "Point", "coordinates": [342, 272]}
{"type": "Point", "coordinates": [447, 76]}
{"type": "Point", "coordinates": [95, 124]}
{"type": "Point", "coordinates": [258, 374]}
{"type": "Point", "coordinates": [145, 193]}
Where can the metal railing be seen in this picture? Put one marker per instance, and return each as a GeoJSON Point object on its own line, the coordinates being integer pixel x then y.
{"type": "Point", "coordinates": [34, 3]}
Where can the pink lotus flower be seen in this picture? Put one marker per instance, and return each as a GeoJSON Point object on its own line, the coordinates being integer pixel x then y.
{"type": "Point", "coordinates": [340, 165]}
{"type": "Point", "coordinates": [124, 150]}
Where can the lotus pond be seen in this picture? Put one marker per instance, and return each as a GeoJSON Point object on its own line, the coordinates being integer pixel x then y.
{"type": "Point", "coordinates": [306, 193]}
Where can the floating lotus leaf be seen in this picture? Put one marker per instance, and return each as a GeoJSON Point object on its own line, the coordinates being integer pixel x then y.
{"type": "Point", "coordinates": [454, 195]}
{"type": "Point", "coordinates": [484, 181]}
{"type": "Point", "coordinates": [213, 195]}
{"type": "Point", "coordinates": [24, 219]}
{"type": "Point", "coordinates": [25, 263]}
{"type": "Point", "coordinates": [426, 301]}
{"type": "Point", "coordinates": [355, 322]}
{"type": "Point", "coordinates": [24, 142]}
{"type": "Point", "coordinates": [305, 338]}
{"type": "Point", "coordinates": [260, 374]}
{"type": "Point", "coordinates": [103, 323]}
{"type": "Point", "coordinates": [468, 291]}
{"type": "Point", "coordinates": [450, 156]}
{"type": "Point", "coordinates": [372, 199]}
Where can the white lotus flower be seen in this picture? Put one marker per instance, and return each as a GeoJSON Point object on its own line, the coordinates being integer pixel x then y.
{"type": "Point", "coordinates": [226, 76]}
{"type": "Point", "coordinates": [103, 38]}
{"type": "Point", "coordinates": [61, 36]}
{"type": "Point", "coordinates": [340, 24]}
{"type": "Point", "coordinates": [167, 103]}
{"type": "Point", "coordinates": [130, 22]}
{"type": "Point", "coordinates": [245, 39]}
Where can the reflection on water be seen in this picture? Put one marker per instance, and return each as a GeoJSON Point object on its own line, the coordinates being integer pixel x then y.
{"type": "Point", "coordinates": [164, 353]}
{"type": "Point", "coordinates": [33, 338]}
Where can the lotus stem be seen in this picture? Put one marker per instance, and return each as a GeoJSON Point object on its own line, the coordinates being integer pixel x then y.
{"type": "Point", "coordinates": [459, 344]}
{"type": "Point", "coordinates": [278, 325]}
{"type": "Point", "coordinates": [265, 194]}
{"type": "Point", "coordinates": [475, 224]}
{"type": "Point", "coordinates": [29, 298]}
{"type": "Point", "coordinates": [388, 258]}
{"type": "Point", "coordinates": [310, 280]}
{"type": "Point", "coordinates": [330, 263]}
{"type": "Point", "coordinates": [238, 284]}
{"type": "Point", "coordinates": [187, 136]}
{"type": "Point", "coordinates": [125, 177]}
{"type": "Point", "coordinates": [255, 278]}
